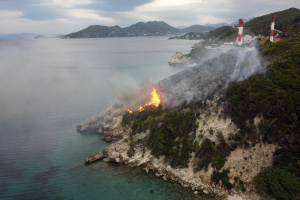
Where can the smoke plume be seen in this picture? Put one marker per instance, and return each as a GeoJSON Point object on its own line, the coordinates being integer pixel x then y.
{"type": "Point", "coordinates": [205, 80]}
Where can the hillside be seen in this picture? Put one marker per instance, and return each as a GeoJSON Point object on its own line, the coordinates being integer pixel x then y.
{"type": "Point", "coordinates": [152, 28]}
{"type": "Point", "coordinates": [261, 25]}
{"type": "Point", "coordinates": [274, 96]}
{"type": "Point", "coordinates": [286, 21]}
{"type": "Point", "coordinates": [197, 29]}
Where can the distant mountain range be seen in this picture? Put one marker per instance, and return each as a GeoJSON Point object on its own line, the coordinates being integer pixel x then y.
{"type": "Point", "coordinates": [226, 24]}
{"type": "Point", "coordinates": [197, 29]}
{"type": "Point", "coordinates": [151, 28]}
{"type": "Point", "coordinates": [27, 36]}
{"type": "Point", "coordinates": [20, 35]}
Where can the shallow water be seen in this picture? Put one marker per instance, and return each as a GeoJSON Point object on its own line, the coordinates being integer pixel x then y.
{"type": "Point", "coordinates": [49, 86]}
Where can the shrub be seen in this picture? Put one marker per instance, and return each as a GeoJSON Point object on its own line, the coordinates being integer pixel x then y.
{"type": "Point", "coordinates": [223, 176]}
{"type": "Point", "coordinates": [172, 137]}
{"type": "Point", "coordinates": [219, 161]}
{"type": "Point", "coordinates": [277, 183]}
{"type": "Point", "coordinates": [131, 150]}
{"type": "Point", "coordinates": [204, 155]}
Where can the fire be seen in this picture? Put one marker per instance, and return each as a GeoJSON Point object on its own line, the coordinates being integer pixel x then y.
{"type": "Point", "coordinates": [155, 100]}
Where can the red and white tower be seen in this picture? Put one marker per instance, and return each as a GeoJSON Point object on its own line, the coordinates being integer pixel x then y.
{"type": "Point", "coordinates": [240, 32]}
{"type": "Point", "coordinates": [272, 28]}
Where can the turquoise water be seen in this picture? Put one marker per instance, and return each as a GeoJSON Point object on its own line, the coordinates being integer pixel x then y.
{"type": "Point", "coordinates": [47, 87]}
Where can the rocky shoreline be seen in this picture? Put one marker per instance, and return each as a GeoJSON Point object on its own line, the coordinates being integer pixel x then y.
{"type": "Point", "coordinates": [200, 182]}
{"type": "Point", "coordinates": [194, 85]}
{"type": "Point", "coordinates": [117, 152]}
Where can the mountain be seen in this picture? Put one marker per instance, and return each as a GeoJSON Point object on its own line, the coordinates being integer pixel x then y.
{"type": "Point", "coordinates": [197, 29]}
{"type": "Point", "coordinates": [40, 37]}
{"type": "Point", "coordinates": [20, 35]}
{"type": "Point", "coordinates": [28, 35]}
{"type": "Point", "coordinates": [151, 28]}
{"type": "Point", "coordinates": [226, 24]}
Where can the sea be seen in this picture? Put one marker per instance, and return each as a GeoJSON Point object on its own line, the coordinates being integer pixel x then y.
{"type": "Point", "coordinates": [49, 86]}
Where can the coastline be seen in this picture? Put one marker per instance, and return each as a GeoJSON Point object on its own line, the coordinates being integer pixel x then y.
{"type": "Point", "coordinates": [199, 182]}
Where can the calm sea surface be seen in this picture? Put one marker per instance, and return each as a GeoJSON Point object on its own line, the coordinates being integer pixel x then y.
{"type": "Point", "coordinates": [49, 86]}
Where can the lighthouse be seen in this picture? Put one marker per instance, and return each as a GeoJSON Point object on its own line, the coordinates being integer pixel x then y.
{"type": "Point", "coordinates": [240, 32]}
{"type": "Point", "coordinates": [272, 28]}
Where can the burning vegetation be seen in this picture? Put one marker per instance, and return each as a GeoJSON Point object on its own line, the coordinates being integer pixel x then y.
{"type": "Point", "coordinates": [155, 100]}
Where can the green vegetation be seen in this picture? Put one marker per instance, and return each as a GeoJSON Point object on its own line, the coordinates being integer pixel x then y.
{"type": "Point", "coordinates": [131, 150]}
{"type": "Point", "coordinates": [172, 135]}
{"type": "Point", "coordinates": [209, 153]}
{"type": "Point", "coordinates": [239, 184]}
{"type": "Point", "coordinates": [275, 96]}
{"type": "Point", "coordinates": [140, 121]}
{"type": "Point", "coordinates": [278, 183]}
{"type": "Point", "coordinates": [261, 25]}
{"type": "Point", "coordinates": [223, 176]}
{"type": "Point", "coordinates": [226, 33]}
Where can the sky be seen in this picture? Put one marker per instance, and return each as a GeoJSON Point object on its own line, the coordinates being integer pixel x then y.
{"type": "Point", "coordinates": [66, 16]}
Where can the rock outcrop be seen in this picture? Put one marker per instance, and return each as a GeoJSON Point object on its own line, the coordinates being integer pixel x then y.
{"type": "Point", "coordinates": [107, 122]}
{"type": "Point", "coordinates": [180, 59]}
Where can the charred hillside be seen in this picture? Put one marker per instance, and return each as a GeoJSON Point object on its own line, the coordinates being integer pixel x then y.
{"type": "Point", "coordinates": [204, 81]}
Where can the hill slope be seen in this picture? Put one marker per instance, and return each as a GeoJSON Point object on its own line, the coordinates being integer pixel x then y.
{"type": "Point", "coordinates": [197, 29]}
{"type": "Point", "coordinates": [259, 26]}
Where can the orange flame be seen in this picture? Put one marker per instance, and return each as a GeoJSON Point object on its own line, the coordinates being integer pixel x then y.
{"type": "Point", "coordinates": [154, 101]}
{"type": "Point", "coordinates": [129, 110]}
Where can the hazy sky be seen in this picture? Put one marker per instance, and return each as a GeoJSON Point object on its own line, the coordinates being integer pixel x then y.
{"type": "Point", "coordinates": [65, 16]}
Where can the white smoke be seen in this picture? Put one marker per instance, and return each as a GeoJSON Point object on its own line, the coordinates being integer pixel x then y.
{"type": "Point", "coordinates": [205, 80]}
